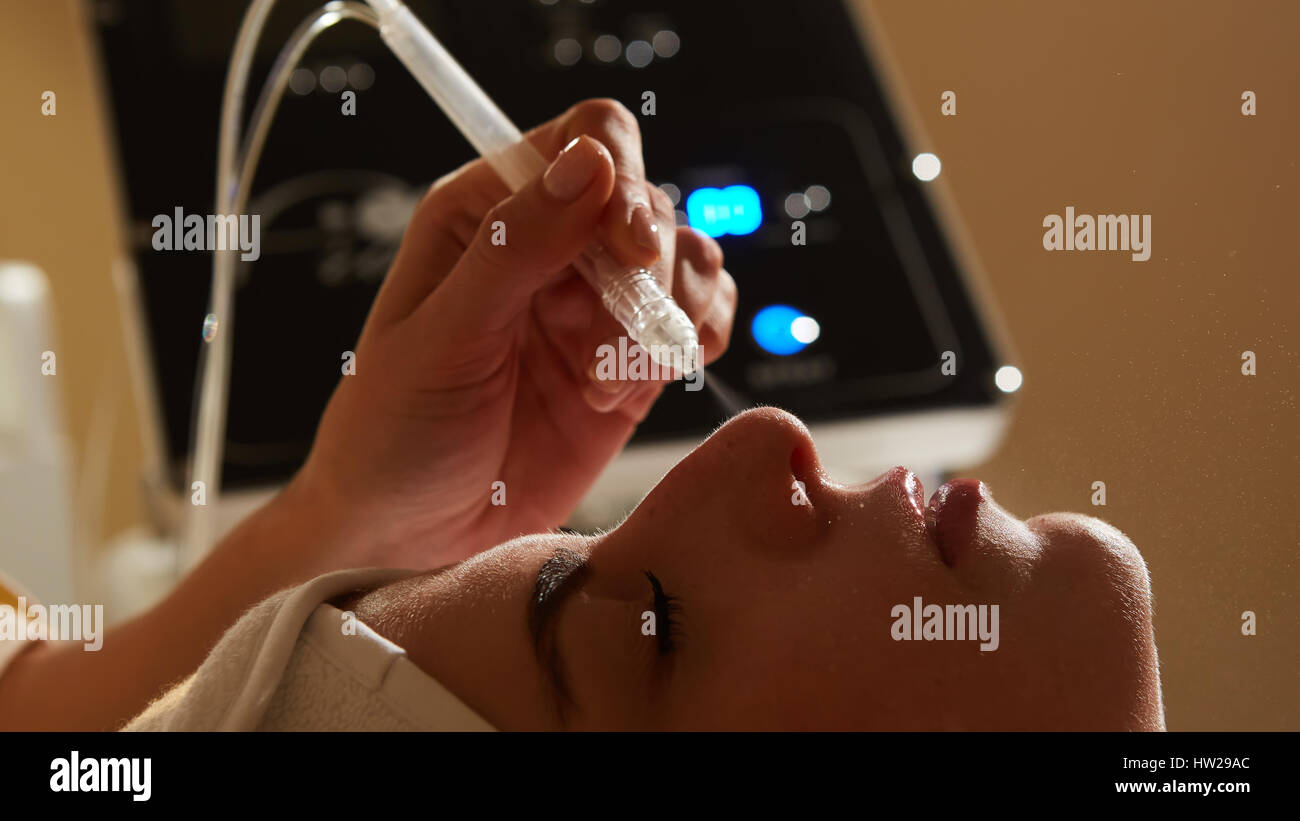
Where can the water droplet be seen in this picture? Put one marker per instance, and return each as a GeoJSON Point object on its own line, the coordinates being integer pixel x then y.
{"type": "Point", "coordinates": [209, 327]}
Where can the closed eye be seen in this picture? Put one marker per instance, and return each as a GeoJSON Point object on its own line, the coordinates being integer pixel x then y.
{"type": "Point", "coordinates": [559, 577]}
{"type": "Point", "coordinates": [667, 612]}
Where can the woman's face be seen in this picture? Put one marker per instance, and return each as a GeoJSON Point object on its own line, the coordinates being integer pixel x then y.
{"type": "Point", "coordinates": [793, 608]}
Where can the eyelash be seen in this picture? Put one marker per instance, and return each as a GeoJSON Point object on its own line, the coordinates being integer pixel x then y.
{"type": "Point", "coordinates": [667, 616]}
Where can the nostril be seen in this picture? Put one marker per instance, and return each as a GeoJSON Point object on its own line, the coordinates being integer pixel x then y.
{"type": "Point", "coordinates": [803, 463]}
{"type": "Point", "coordinates": [805, 476]}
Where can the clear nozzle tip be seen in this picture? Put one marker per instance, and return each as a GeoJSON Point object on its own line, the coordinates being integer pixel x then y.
{"type": "Point", "coordinates": [653, 319]}
{"type": "Point", "coordinates": [672, 341]}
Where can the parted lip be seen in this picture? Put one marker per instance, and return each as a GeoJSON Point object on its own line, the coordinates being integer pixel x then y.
{"type": "Point", "coordinates": [950, 517]}
{"type": "Point", "coordinates": [915, 493]}
{"type": "Point", "coordinates": [905, 485]}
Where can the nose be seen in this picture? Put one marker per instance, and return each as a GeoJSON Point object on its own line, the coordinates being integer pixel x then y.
{"type": "Point", "coordinates": [764, 471]}
{"type": "Point", "coordinates": [767, 442]}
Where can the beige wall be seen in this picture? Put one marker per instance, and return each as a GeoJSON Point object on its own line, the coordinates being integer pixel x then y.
{"type": "Point", "coordinates": [58, 210]}
{"type": "Point", "coordinates": [1132, 369]}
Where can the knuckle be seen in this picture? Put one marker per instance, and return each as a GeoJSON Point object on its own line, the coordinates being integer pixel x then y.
{"type": "Point", "coordinates": [687, 242]}
{"type": "Point", "coordinates": [495, 214]}
{"type": "Point", "coordinates": [482, 246]}
{"type": "Point", "coordinates": [730, 293]}
{"type": "Point", "coordinates": [714, 254]}
{"type": "Point", "coordinates": [662, 204]}
{"type": "Point", "coordinates": [442, 212]}
{"type": "Point", "coordinates": [436, 205]}
{"type": "Point", "coordinates": [703, 252]}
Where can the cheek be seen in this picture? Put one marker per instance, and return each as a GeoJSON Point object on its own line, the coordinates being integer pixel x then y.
{"type": "Point", "coordinates": [1094, 607]}
{"type": "Point", "coordinates": [809, 648]}
{"type": "Point", "coordinates": [610, 662]}
{"type": "Point", "coordinates": [1094, 589]}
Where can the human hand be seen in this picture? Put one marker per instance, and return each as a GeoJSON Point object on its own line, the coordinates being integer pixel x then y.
{"type": "Point", "coordinates": [476, 362]}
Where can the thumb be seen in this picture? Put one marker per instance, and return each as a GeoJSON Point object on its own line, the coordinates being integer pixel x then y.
{"type": "Point", "coordinates": [522, 243]}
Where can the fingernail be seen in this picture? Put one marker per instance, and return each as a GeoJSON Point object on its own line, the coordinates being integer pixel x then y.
{"type": "Point", "coordinates": [610, 385]}
{"type": "Point", "coordinates": [572, 171]}
{"type": "Point", "coordinates": [603, 401]}
{"type": "Point", "coordinates": [645, 231]}
{"type": "Point", "coordinates": [603, 395]}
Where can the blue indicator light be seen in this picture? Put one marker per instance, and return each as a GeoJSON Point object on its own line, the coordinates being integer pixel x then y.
{"type": "Point", "coordinates": [774, 329]}
{"type": "Point", "coordinates": [731, 210]}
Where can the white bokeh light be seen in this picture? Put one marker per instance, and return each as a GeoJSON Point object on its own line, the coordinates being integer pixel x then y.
{"type": "Point", "coordinates": [361, 76]}
{"type": "Point", "coordinates": [567, 51]}
{"type": "Point", "coordinates": [607, 48]}
{"type": "Point", "coordinates": [926, 166]}
{"type": "Point", "coordinates": [796, 205]}
{"type": "Point", "coordinates": [1008, 379]}
{"type": "Point", "coordinates": [805, 329]}
{"type": "Point", "coordinates": [333, 79]}
{"type": "Point", "coordinates": [639, 53]}
{"type": "Point", "coordinates": [819, 197]}
{"type": "Point", "coordinates": [302, 81]}
{"type": "Point", "coordinates": [666, 43]}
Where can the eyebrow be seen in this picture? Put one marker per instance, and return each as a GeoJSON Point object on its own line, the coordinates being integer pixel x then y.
{"type": "Point", "coordinates": [559, 578]}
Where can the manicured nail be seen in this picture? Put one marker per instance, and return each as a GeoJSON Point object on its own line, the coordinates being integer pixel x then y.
{"type": "Point", "coordinates": [572, 171]}
{"type": "Point", "coordinates": [645, 231]}
{"type": "Point", "coordinates": [603, 395]}
{"type": "Point", "coordinates": [600, 367]}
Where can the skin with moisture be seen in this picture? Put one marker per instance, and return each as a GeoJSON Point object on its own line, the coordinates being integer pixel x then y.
{"type": "Point", "coordinates": [474, 368]}
{"type": "Point", "coordinates": [784, 610]}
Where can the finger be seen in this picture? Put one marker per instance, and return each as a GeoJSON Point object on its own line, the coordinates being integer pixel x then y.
{"type": "Point", "coordinates": [522, 243]}
{"type": "Point", "coordinates": [695, 279]}
{"type": "Point", "coordinates": [603, 334]}
{"type": "Point", "coordinates": [704, 290]}
{"type": "Point", "coordinates": [449, 215]}
{"type": "Point", "coordinates": [634, 405]}
{"type": "Point", "coordinates": [708, 296]}
{"type": "Point", "coordinates": [716, 326]}
{"type": "Point", "coordinates": [629, 228]}
{"type": "Point", "coordinates": [440, 229]}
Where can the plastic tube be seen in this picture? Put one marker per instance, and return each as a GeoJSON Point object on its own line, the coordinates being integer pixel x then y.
{"type": "Point", "coordinates": [236, 165]}
{"type": "Point", "coordinates": [634, 296]}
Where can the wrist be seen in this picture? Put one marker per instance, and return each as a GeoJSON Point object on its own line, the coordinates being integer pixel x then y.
{"type": "Point", "coordinates": [371, 525]}
{"type": "Point", "coordinates": [339, 528]}
{"type": "Point", "coordinates": [311, 524]}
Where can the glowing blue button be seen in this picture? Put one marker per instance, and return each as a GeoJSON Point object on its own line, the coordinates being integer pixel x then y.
{"type": "Point", "coordinates": [732, 210]}
{"type": "Point", "coordinates": [782, 330]}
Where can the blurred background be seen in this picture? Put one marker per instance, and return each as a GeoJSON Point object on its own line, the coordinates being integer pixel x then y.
{"type": "Point", "coordinates": [1132, 370]}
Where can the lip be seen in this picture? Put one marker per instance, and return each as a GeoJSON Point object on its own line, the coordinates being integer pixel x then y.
{"type": "Point", "coordinates": [904, 486]}
{"type": "Point", "coordinates": [952, 515]}
{"type": "Point", "coordinates": [915, 492]}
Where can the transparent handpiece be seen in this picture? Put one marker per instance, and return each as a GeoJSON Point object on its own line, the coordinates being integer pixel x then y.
{"type": "Point", "coordinates": [649, 315]}
{"type": "Point", "coordinates": [634, 296]}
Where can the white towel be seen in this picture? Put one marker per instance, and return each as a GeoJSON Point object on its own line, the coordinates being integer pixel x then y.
{"type": "Point", "coordinates": [287, 665]}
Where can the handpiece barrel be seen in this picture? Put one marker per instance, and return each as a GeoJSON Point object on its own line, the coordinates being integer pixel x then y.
{"type": "Point", "coordinates": [634, 296]}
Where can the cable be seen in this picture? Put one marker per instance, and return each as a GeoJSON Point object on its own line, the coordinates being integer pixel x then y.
{"type": "Point", "coordinates": [234, 180]}
{"type": "Point", "coordinates": [633, 296]}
